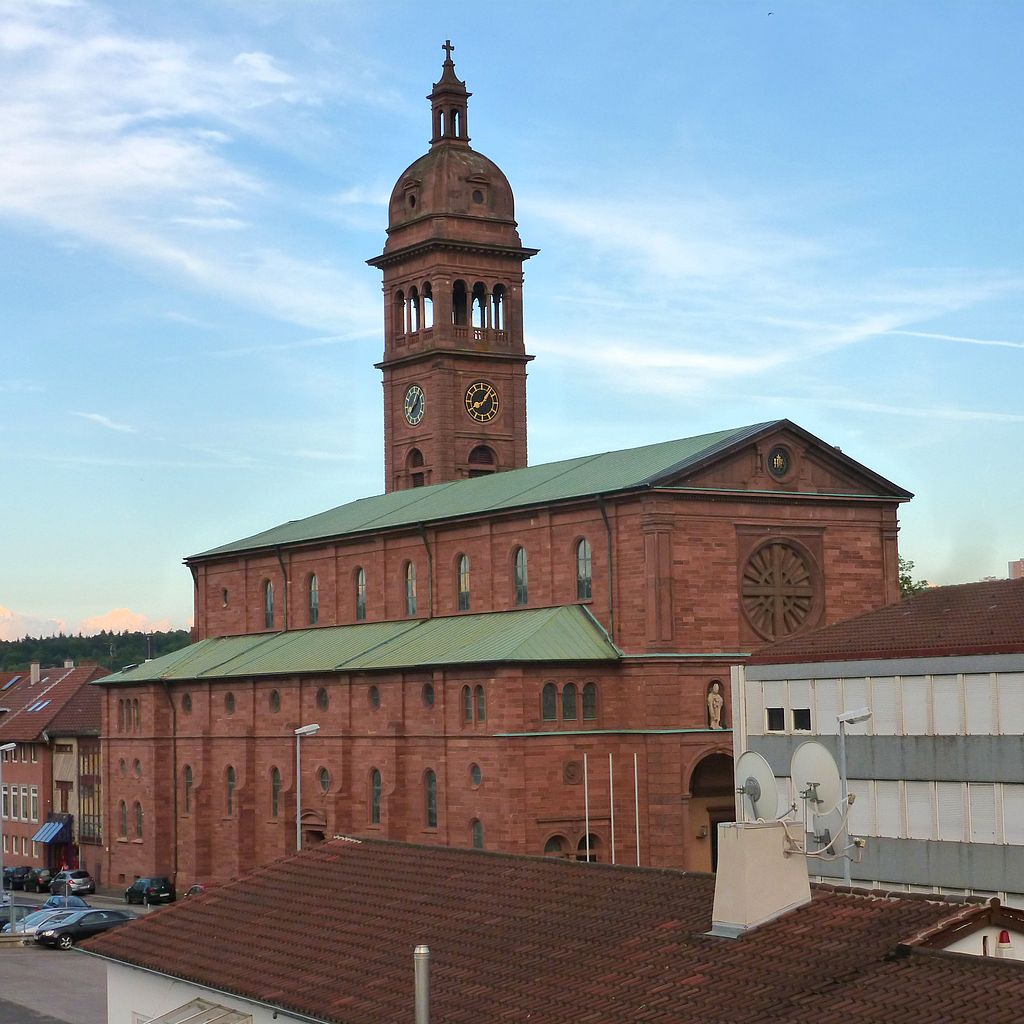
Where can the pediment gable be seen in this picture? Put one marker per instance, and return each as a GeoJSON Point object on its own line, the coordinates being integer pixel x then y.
{"type": "Point", "coordinates": [786, 459]}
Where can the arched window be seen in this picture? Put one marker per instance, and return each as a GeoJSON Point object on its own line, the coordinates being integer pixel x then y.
{"type": "Point", "coordinates": [375, 792]}
{"type": "Point", "coordinates": [230, 779]}
{"type": "Point", "coordinates": [323, 776]}
{"type": "Point", "coordinates": [477, 830]}
{"type": "Point", "coordinates": [398, 320]}
{"type": "Point", "coordinates": [479, 305]}
{"type": "Point", "coordinates": [187, 787]}
{"type": "Point", "coordinates": [229, 703]}
{"type": "Point", "coordinates": [481, 705]}
{"type": "Point", "coordinates": [314, 600]}
{"type": "Point", "coordinates": [464, 583]}
{"type": "Point", "coordinates": [268, 604]}
{"type": "Point", "coordinates": [520, 573]}
{"type": "Point", "coordinates": [360, 594]}
{"type": "Point", "coordinates": [122, 810]}
{"type": "Point", "coordinates": [467, 704]}
{"type": "Point", "coordinates": [138, 820]}
{"type": "Point", "coordinates": [549, 702]}
{"type": "Point", "coordinates": [323, 699]}
{"type": "Point", "coordinates": [569, 702]}
{"type": "Point", "coordinates": [584, 577]}
{"type": "Point", "coordinates": [274, 701]}
{"type": "Point", "coordinates": [136, 717]}
{"type": "Point", "coordinates": [430, 795]}
{"type": "Point", "coordinates": [590, 702]}
{"type": "Point", "coordinates": [556, 846]}
{"type": "Point", "coordinates": [414, 466]}
{"type": "Point", "coordinates": [275, 792]}
{"type": "Point", "coordinates": [498, 307]}
{"type": "Point", "coordinates": [586, 849]}
{"type": "Point", "coordinates": [428, 306]}
{"type": "Point", "coordinates": [459, 304]}
{"type": "Point", "coordinates": [414, 310]}
{"type": "Point", "coordinates": [410, 588]}
{"type": "Point", "coordinates": [482, 461]}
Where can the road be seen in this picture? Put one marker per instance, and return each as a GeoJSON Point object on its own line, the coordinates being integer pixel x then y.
{"type": "Point", "coordinates": [46, 986]}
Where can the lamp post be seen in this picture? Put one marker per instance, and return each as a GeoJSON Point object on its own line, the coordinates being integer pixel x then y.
{"type": "Point", "coordinates": [303, 730]}
{"type": "Point", "coordinates": [4, 749]}
{"type": "Point", "coordinates": [854, 717]}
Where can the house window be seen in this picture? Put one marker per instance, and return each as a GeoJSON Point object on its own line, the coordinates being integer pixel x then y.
{"type": "Point", "coordinates": [521, 577]}
{"type": "Point", "coordinates": [590, 702]}
{"type": "Point", "coordinates": [360, 594]}
{"type": "Point", "coordinates": [24, 803]}
{"type": "Point", "coordinates": [569, 702]}
{"type": "Point", "coordinates": [428, 695]}
{"type": "Point", "coordinates": [268, 604]}
{"type": "Point", "coordinates": [274, 700]}
{"type": "Point", "coordinates": [584, 576]}
{"type": "Point", "coordinates": [464, 583]}
{"type": "Point", "coordinates": [275, 792]}
{"type": "Point", "coordinates": [586, 848]}
{"type": "Point", "coordinates": [477, 830]}
{"type": "Point", "coordinates": [556, 846]}
{"type": "Point", "coordinates": [467, 704]}
{"type": "Point", "coordinates": [775, 719]}
{"type": "Point", "coordinates": [323, 700]}
{"type": "Point", "coordinates": [314, 600]}
{"type": "Point", "coordinates": [481, 704]}
{"type": "Point", "coordinates": [33, 753]}
{"type": "Point", "coordinates": [476, 775]}
{"type": "Point", "coordinates": [375, 792]}
{"type": "Point", "coordinates": [374, 694]}
{"type": "Point", "coordinates": [187, 787]}
{"type": "Point", "coordinates": [137, 768]}
{"type": "Point", "coordinates": [549, 702]}
{"type": "Point", "coordinates": [430, 794]}
{"type": "Point", "coordinates": [230, 780]}
{"type": "Point", "coordinates": [324, 778]}
{"type": "Point", "coordinates": [138, 820]}
{"type": "Point", "coordinates": [122, 810]}
{"type": "Point", "coordinates": [410, 588]}
{"type": "Point", "coordinates": [6, 808]}
{"type": "Point", "coordinates": [229, 703]}
{"type": "Point", "coordinates": [186, 703]}
{"type": "Point", "coordinates": [801, 719]}
{"type": "Point", "coordinates": [34, 796]}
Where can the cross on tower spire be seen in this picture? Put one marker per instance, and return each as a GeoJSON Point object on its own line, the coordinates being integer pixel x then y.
{"type": "Point", "coordinates": [448, 47]}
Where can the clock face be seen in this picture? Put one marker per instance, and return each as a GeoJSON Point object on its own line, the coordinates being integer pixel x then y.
{"type": "Point", "coordinates": [415, 404]}
{"type": "Point", "coordinates": [481, 401]}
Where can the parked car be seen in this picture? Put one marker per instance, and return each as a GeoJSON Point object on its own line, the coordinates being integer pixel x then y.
{"type": "Point", "coordinates": [63, 932]}
{"type": "Point", "coordinates": [67, 882]}
{"type": "Point", "coordinates": [195, 890]}
{"type": "Point", "coordinates": [21, 911]}
{"type": "Point", "coordinates": [38, 880]}
{"type": "Point", "coordinates": [158, 889]}
{"type": "Point", "coordinates": [29, 924]}
{"type": "Point", "coordinates": [14, 877]}
{"type": "Point", "coordinates": [65, 903]}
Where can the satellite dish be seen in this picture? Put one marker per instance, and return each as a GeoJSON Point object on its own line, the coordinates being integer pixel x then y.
{"type": "Point", "coordinates": [814, 773]}
{"type": "Point", "coordinates": [756, 781]}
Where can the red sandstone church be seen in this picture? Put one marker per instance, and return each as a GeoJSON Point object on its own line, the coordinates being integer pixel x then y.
{"type": "Point", "coordinates": [488, 648]}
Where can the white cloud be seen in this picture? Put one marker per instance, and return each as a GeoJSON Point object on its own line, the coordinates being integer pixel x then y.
{"type": "Point", "coordinates": [104, 421]}
{"type": "Point", "coordinates": [120, 620]}
{"type": "Point", "coordinates": [261, 67]}
{"type": "Point", "coordinates": [959, 338]}
{"type": "Point", "coordinates": [15, 625]}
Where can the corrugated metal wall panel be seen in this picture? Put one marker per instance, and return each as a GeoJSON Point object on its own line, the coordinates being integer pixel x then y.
{"type": "Point", "coordinates": [1011, 703]}
{"type": "Point", "coordinates": [920, 810]}
{"type": "Point", "coordinates": [855, 695]}
{"type": "Point", "coordinates": [1013, 814]}
{"type": "Point", "coordinates": [979, 699]}
{"type": "Point", "coordinates": [887, 809]}
{"type": "Point", "coordinates": [916, 720]}
{"type": "Point", "coordinates": [949, 798]}
{"type": "Point", "coordinates": [885, 706]}
{"type": "Point", "coordinates": [827, 704]}
{"type": "Point", "coordinates": [947, 706]}
{"type": "Point", "coordinates": [981, 797]}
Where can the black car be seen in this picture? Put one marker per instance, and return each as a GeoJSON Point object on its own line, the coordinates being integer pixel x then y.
{"type": "Point", "coordinates": [14, 878]}
{"type": "Point", "coordinates": [82, 924]}
{"type": "Point", "coordinates": [38, 880]}
{"type": "Point", "coordinates": [159, 889]}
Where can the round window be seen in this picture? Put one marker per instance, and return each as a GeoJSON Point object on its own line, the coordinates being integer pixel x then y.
{"type": "Point", "coordinates": [229, 703]}
{"type": "Point", "coordinates": [428, 694]}
{"type": "Point", "coordinates": [322, 700]}
{"type": "Point", "coordinates": [475, 774]}
{"type": "Point", "coordinates": [324, 778]}
{"type": "Point", "coordinates": [275, 701]}
{"type": "Point", "coordinates": [186, 703]}
{"type": "Point", "coordinates": [374, 698]}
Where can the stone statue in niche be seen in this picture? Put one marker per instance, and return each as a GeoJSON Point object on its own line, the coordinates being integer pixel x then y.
{"type": "Point", "coordinates": [715, 704]}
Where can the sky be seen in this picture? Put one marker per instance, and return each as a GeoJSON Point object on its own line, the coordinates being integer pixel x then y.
{"type": "Point", "coordinates": [745, 211]}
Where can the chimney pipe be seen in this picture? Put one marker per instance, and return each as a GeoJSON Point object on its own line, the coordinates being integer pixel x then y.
{"type": "Point", "coordinates": [34, 672]}
{"type": "Point", "coordinates": [421, 966]}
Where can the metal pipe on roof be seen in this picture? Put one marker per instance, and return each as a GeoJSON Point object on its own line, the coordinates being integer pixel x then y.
{"type": "Point", "coordinates": [285, 587]}
{"type": "Point", "coordinates": [421, 973]}
{"type": "Point", "coordinates": [430, 570]}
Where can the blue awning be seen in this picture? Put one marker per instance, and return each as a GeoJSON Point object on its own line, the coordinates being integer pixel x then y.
{"type": "Point", "coordinates": [52, 832]}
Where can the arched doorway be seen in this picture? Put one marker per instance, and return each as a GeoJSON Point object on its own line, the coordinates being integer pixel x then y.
{"type": "Point", "coordinates": [712, 801]}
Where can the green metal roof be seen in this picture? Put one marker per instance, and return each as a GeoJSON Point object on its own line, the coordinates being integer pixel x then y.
{"type": "Point", "coordinates": [588, 475]}
{"type": "Point", "coordinates": [565, 633]}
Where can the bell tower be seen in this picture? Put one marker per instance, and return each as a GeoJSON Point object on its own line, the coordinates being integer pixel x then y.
{"type": "Point", "coordinates": [454, 361]}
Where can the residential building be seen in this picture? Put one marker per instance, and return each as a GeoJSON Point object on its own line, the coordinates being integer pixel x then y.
{"type": "Point", "coordinates": [938, 769]}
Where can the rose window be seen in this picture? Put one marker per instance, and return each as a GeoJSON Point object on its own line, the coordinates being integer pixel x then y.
{"type": "Point", "coordinates": [778, 589]}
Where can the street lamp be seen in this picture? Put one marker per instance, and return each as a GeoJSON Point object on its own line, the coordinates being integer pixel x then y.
{"type": "Point", "coordinates": [4, 748]}
{"type": "Point", "coordinates": [854, 717]}
{"type": "Point", "coordinates": [303, 730]}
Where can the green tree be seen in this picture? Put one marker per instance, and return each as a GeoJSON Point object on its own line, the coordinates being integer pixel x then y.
{"type": "Point", "coordinates": [908, 585]}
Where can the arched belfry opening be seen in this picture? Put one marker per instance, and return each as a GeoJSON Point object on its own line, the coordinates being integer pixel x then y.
{"type": "Point", "coordinates": [454, 373]}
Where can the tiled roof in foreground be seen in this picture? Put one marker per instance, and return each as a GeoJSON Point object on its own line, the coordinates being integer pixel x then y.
{"type": "Point", "coordinates": [972, 618]}
{"type": "Point", "coordinates": [564, 633]}
{"type": "Point", "coordinates": [605, 473]}
{"type": "Point", "coordinates": [516, 939]}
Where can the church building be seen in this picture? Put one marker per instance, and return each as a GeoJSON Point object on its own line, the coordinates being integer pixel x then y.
{"type": "Point", "coordinates": [534, 659]}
